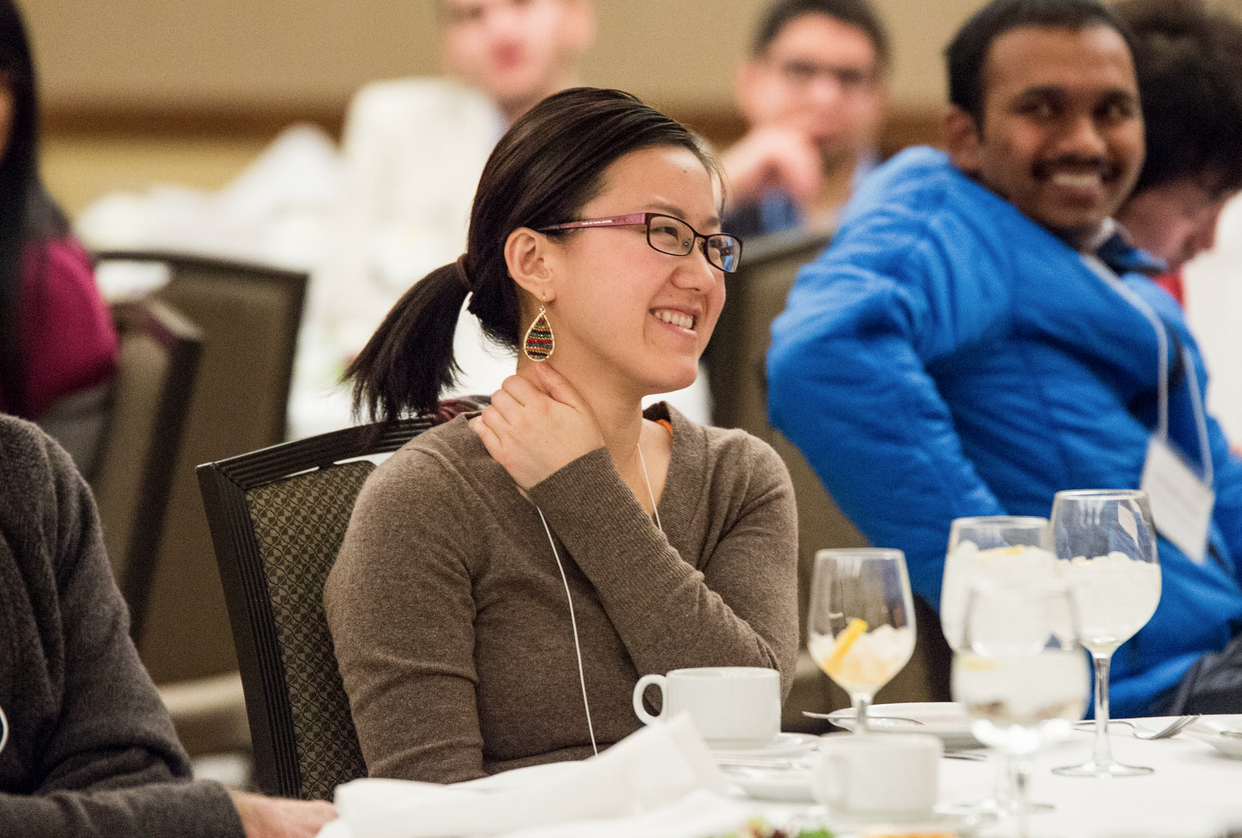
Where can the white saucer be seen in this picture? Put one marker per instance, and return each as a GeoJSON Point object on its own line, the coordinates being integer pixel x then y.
{"type": "Point", "coordinates": [946, 719]}
{"type": "Point", "coordinates": [788, 785]}
{"type": "Point", "coordinates": [784, 745]}
{"type": "Point", "coordinates": [1208, 729]}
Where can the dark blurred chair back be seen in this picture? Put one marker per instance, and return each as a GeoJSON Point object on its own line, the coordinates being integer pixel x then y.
{"type": "Point", "coordinates": [736, 363]}
{"type": "Point", "coordinates": [150, 397]}
{"type": "Point", "coordinates": [249, 316]}
{"type": "Point", "coordinates": [277, 518]}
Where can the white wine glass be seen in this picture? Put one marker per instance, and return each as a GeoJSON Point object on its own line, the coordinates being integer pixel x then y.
{"type": "Point", "coordinates": [860, 624]}
{"type": "Point", "coordinates": [997, 548]}
{"type": "Point", "coordinates": [1106, 545]}
{"type": "Point", "coordinates": [1020, 672]}
{"type": "Point", "coordinates": [990, 547]}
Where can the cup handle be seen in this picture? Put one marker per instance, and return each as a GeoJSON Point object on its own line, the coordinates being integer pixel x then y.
{"type": "Point", "coordinates": [830, 790]}
{"type": "Point", "coordinates": [640, 688]}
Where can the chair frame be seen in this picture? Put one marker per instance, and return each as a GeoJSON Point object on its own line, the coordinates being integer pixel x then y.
{"type": "Point", "coordinates": [224, 486]}
{"type": "Point", "coordinates": [183, 342]}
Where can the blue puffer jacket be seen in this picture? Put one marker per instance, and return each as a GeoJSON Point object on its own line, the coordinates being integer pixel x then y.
{"type": "Point", "coordinates": [948, 357]}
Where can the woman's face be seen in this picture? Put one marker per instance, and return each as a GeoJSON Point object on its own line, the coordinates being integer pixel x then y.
{"type": "Point", "coordinates": [626, 313]}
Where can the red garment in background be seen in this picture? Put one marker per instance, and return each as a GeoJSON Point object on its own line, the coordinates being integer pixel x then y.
{"type": "Point", "coordinates": [1172, 282]}
{"type": "Point", "coordinates": [68, 337]}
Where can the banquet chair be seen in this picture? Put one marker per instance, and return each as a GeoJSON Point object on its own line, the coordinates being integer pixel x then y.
{"type": "Point", "coordinates": [736, 363]}
{"type": "Point", "coordinates": [155, 376]}
{"type": "Point", "coordinates": [249, 316]}
{"type": "Point", "coordinates": [277, 519]}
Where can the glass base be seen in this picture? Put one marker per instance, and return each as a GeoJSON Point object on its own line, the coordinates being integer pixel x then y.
{"type": "Point", "coordinates": [1096, 769]}
{"type": "Point", "coordinates": [991, 809]}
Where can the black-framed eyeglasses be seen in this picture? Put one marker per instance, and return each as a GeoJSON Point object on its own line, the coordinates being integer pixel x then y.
{"type": "Point", "coordinates": [670, 235]}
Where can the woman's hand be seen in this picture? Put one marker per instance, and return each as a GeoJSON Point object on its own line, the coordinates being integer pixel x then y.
{"type": "Point", "coordinates": [534, 428]}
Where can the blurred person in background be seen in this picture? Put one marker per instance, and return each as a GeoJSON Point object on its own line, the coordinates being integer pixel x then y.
{"type": "Point", "coordinates": [813, 93]}
{"type": "Point", "coordinates": [1189, 66]}
{"type": "Point", "coordinates": [58, 348]}
{"type": "Point", "coordinates": [413, 150]}
{"type": "Point", "coordinates": [981, 335]}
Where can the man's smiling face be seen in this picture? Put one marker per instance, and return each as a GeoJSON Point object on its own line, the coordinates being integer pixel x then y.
{"type": "Point", "coordinates": [1061, 132]}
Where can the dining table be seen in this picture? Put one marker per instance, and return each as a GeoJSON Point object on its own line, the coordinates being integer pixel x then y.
{"type": "Point", "coordinates": [1194, 791]}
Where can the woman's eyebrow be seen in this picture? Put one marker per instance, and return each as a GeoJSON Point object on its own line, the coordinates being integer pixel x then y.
{"type": "Point", "coordinates": [678, 212]}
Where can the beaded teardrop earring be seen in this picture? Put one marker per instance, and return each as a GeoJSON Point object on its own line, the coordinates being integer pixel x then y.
{"type": "Point", "coordinates": [539, 344]}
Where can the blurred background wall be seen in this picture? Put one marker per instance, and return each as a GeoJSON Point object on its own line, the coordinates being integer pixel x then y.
{"type": "Point", "coordinates": [141, 91]}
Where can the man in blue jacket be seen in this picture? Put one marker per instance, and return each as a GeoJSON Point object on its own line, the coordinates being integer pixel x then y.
{"type": "Point", "coordinates": [981, 335]}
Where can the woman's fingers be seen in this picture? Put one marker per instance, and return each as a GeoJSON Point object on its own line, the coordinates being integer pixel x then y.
{"type": "Point", "coordinates": [558, 387]}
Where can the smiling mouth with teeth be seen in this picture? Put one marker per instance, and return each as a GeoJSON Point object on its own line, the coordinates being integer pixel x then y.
{"type": "Point", "coordinates": [1081, 181]}
{"type": "Point", "coordinates": [675, 318]}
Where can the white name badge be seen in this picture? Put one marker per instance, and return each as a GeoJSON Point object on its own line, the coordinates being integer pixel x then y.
{"type": "Point", "coordinates": [1181, 503]}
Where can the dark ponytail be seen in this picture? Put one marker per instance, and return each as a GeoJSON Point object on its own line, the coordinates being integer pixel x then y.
{"type": "Point", "coordinates": [409, 359]}
{"type": "Point", "coordinates": [548, 165]}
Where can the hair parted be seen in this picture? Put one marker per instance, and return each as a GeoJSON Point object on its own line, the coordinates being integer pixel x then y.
{"type": "Point", "coordinates": [856, 13]}
{"type": "Point", "coordinates": [27, 213]}
{"type": "Point", "coordinates": [548, 165]}
{"type": "Point", "coordinates": [1189, 66]}
{"type": "Point", "coordinates": [967, 53]}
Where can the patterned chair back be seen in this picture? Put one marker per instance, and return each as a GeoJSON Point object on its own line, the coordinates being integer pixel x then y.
{"type": "Point", "coordinates": [277, 519]}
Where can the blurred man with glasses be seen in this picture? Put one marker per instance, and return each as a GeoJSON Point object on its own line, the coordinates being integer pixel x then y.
{"type": "Point", "coordinates": [813, 92]}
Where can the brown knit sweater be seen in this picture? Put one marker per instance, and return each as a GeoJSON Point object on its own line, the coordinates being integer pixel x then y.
{"type": "Point", "coordinates": [450, 619]}
{"type": "Point", "coordinates": [91, 749]}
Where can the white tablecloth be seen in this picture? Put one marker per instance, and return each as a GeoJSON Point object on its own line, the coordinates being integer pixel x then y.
{"type": "Point", "coordinates": [1195, 790]}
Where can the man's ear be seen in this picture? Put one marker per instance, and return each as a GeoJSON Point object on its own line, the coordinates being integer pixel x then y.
{"type": "Point", "coordinates": [529, 258]}
{"type": "Point", "coordinates": [962, 138]}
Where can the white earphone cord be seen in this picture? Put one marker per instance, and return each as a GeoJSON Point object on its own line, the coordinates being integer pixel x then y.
{"type": "Point", "coordinates": [573, 620]}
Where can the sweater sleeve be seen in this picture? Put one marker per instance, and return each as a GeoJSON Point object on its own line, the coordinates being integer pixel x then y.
{"type": "Point", "coordinates": [111, 765]}
{"type": "Point", "coordinates": [400, 606]}
{"type": "Point", "coordinates": [740, 609]}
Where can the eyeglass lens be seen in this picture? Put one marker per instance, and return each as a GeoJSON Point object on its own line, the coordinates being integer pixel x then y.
{"type": "Point", "coordinates": [670, 235]}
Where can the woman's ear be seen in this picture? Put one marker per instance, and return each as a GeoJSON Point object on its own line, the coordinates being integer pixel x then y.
{"type": "Point", "coordinates": [528, 256]}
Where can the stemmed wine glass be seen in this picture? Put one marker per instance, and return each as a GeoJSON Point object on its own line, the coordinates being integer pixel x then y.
{"type": "Point", "coordinates": [1020, 671]}
{"type": "Point", "coordinates": [998, 548]}
{"type": "Point", "coordinates": [1107, 547]}
{"type": "Point", "coordinates": [860, 623]}
{"type": "Point", "coordinates": [991, 547]}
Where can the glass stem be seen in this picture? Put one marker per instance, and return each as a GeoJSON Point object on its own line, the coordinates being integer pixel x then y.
{"type": "Point", "coordinates": [1021, 783]}
{"type": "Point", "coordinates": [1005, 782]}
{"type": "Point", "coordinates": [861, 702]}
{"type": "Point", "coordinates": [1103, 751]}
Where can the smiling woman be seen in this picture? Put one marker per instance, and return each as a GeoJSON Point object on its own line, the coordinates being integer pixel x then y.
{"type": "Point", "coordinates": [507, 577]}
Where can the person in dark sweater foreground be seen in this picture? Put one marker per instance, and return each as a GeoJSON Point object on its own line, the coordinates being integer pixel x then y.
{"type": "Point", "coordinates": [91, 751]}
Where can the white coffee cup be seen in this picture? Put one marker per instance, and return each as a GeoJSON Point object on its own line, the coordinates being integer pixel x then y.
{"type": "Point", "coordinates": [878, 775]}
{"type": "Point", "coordinates": [732, 706]}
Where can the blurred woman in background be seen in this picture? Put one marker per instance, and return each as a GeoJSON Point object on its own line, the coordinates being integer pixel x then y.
{"type": "Point", "coordinates": [58, 348]}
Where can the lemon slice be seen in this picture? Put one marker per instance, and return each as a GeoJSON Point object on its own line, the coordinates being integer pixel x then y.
{"type": "Point", "coordinates": [856, 629]}
{"type": "Point", "coordinates": [996, 552]}
{"type": "Point", "coordinates": [978, 663]}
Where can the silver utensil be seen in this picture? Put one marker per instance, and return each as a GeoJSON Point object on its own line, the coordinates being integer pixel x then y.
{"type": "Point", "coordinates": [871, 720]}
{"type": "Point", "coordinates": [1171, 729]}
{"type": "Point", "coordinates": [1232, 734]}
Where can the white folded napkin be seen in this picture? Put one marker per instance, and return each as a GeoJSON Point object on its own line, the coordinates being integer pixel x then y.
{"type": "Point", "coordinates": [649, 769]}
